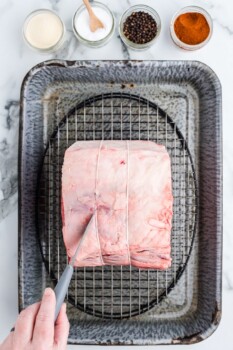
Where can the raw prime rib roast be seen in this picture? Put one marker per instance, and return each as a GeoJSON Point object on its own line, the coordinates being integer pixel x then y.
{"type": "Point", "coordinates": [125, 188]}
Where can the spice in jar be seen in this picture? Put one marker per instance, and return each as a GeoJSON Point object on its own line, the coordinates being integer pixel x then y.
{"type": "Point", "coordinates": [192, 28]}
{"type": "Point", "coordinates": [140, 27]}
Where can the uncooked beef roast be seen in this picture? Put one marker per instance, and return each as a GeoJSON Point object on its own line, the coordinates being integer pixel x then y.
{"type": "Point", "coordinates": [125, 187]}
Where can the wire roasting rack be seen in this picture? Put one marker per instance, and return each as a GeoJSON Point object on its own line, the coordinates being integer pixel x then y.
{"type": "Point", "coordinates": [116, 292]}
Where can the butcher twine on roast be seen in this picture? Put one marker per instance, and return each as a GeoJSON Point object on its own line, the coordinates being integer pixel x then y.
{"type": "Point", "coordinates": [126, 187]}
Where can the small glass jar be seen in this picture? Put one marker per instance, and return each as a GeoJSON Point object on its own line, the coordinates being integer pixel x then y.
{"type": "Point", "coordinates": [188, 9]}
{"type": "Point", "coordinates": [126, 14]}
{"type": "Point", "coordinates": [93, 43]}
{"type": "Point", "coordinates": [33, 32]}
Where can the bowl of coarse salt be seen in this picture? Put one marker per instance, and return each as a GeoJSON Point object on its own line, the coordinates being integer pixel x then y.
{"type": "Point", "coordinates": [81, 25]}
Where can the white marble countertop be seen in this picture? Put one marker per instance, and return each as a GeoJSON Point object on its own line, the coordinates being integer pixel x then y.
{"type": "Point", "coordinates": [16, 59]}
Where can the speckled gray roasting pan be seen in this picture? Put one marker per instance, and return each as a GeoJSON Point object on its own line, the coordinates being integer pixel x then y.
{"type": "Point", "coordinates": [190, 93]}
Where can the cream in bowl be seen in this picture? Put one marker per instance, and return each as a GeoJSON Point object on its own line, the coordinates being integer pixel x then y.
{"type": "Point", "coordinates": [81, 25]}
{"type": "Point", "coordinates": [44, 30]}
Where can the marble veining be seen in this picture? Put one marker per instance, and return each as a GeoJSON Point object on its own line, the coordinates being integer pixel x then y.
{"type": "Point", "coordinates": [125, 50]}
{"type": "Point", "coordinates": [55, 4]}
{"type": "Point", "coordinates": [69, 46]}
{"type": "Point", "coordinates": [223, 26]}
{"type": "Point", "coordinates": [8, 159]}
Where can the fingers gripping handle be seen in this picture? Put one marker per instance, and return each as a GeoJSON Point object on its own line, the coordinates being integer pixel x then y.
{"type": "Point", "coordinates": [62, 287]}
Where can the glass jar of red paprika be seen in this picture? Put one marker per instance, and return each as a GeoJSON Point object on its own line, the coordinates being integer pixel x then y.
{"type": "Point", "coordinates": [187, 11]}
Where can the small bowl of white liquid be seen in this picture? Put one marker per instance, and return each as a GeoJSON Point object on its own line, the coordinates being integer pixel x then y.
{"type": "Point", "coordinates": [44, 31]}
{"type": "Point", "coordinates": [81, 25]}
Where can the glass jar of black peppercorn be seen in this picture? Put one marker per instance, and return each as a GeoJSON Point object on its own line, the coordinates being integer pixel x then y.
{"type": "Point", "coordinates": [139, 27]}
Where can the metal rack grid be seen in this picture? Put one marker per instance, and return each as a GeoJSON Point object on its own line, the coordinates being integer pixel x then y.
{"type": "Point", "coordinates": [117, 291]}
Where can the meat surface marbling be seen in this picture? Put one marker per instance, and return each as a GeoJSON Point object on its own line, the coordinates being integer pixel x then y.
{"type": "Point", "coordinates": [126, 187]}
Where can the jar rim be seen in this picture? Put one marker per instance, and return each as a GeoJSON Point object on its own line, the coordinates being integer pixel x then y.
{"type": "Point", "coordinates": [93, 42]}
{"type": "Point", "coordinates": [49, 48]}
